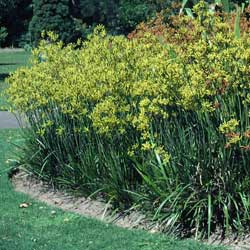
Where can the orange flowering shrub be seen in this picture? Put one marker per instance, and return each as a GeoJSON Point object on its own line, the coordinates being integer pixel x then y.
{"type": "Point", "coordinates": [182, 30]}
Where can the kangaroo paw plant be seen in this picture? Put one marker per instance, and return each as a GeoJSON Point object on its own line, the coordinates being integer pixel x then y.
{"type": "Point", "coordinates": [160, 120]}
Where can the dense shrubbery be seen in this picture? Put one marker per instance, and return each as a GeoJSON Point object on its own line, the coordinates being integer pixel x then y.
{"type": "Point", "coordinates": [51, 16]}
{"type": "Point", "coordinates": [147, 120]}
{"type": "Point", "coordinates": [73, 19]}
{"type": "Point", "coordinates": [15, 16]}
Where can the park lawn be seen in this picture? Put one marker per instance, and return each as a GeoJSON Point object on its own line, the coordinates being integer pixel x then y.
{"type": "Point", "coordinates": [9, 62]}
{"type": "Point", "coordinates": [36, 227]}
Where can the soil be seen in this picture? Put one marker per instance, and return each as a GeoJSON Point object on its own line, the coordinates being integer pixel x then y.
{"type": "Point", "coordinates": [100, 210]}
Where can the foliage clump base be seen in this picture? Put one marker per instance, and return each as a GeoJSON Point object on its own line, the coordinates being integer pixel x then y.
{"type": "Point", "coordinates": [146, 121]}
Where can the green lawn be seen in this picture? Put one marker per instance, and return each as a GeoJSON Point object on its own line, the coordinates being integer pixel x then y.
{"type": "Point", "coordinates": [9, 61]}
{"type": "Point", "coordinates": [37, 228]}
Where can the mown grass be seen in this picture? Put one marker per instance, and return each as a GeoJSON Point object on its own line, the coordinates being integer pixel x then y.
{"type": "Point", "coordinates": [37, 228]}
{"type": "Point", "coordinates": [9, 61]}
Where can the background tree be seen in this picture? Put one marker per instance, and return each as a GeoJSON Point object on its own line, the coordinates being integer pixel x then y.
{"type": "Point", "coordinates": [119, 16]}
{"type": "Point", "coordinates": [130, 13]}
{"type": "Point", "coordinates": [52, 15]}
{"type": "Point", "coordinates": [15, 16]}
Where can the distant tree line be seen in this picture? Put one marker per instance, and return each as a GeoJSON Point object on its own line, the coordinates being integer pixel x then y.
{"type": "Point", "coordinates": [15, 16]}
{"type": "Point", "coordinates": [21, 21]}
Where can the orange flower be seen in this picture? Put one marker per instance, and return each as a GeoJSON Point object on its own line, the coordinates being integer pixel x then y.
{"type": "Point", "coordinates": [247, 134]}
{"type": "Point", "coordinates": [232, 135]}
{"type": "Point", "coordinates": [245, 147]}
{"type": "Point", "coordinates": [216, 105]}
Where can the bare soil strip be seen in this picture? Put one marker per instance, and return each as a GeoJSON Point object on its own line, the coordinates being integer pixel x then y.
{"type": "Point", "coordinates": [100, 210]}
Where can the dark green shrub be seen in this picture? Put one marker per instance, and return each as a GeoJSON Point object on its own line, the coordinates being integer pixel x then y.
{"type": "Point", "coordinates": [15, 16]}
{"type": "Point", "coordinates": [118, 16]}
{"type": "Point", "coordinates": [131, 13]}
{"type": "Point", "coordinates": [51, 16]}
{"type": "Point", "coordinates": [25, 41]}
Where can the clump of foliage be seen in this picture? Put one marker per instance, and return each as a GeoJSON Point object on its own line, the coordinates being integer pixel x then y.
{"type": "Point", "coordinates": [118, 16]}
{"type": "Point", "coordinates": [51, 16]}
{"type": "Point", "coordinates": [150, 120]}
{"type": "Point", "coordinates": [131, 13]}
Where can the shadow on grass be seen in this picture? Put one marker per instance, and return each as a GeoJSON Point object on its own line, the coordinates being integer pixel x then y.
{"type": "Point", "coordinates": [7, 64]}
{"type": "Point", "coordinates": [3, 76]}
